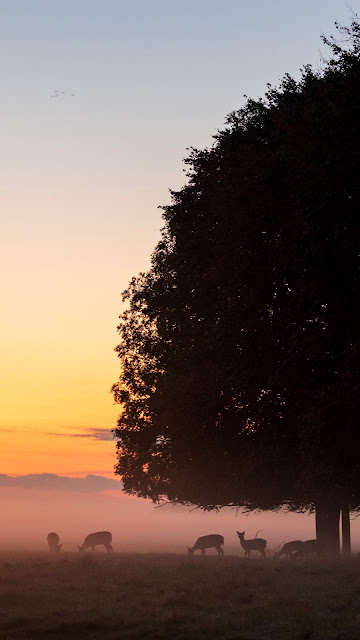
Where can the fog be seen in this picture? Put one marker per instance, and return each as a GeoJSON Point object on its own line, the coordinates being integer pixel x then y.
{"type": "Point", "coordinates": [28, 515]}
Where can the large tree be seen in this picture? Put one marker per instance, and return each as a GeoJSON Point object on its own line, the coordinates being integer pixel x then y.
{"type": "Point", "coordinates": [240, 346]}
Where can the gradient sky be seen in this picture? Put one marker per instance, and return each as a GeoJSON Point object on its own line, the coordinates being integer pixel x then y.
{"type": "Point", "coordinates": [81, 177]}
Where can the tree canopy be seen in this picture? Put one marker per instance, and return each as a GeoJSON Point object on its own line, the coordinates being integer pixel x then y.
{"type": "Point", "coordinates": [239, 348]}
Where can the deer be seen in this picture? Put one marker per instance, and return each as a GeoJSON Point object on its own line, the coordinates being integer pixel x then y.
{"type": "Point", "coordinates": [53, 542]}
{"type": "Point", "coordinates": [310, 546]}
{"type": "Point", "coordinates": [289, 549]}
{"type": "Point", "coordinates": [207, 542]}
{"type": "Point", "coordinates": [256, 544]}
{"type": "Point", "coordinates": [93, 539]}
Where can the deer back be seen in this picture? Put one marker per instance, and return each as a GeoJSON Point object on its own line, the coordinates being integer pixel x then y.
{"type": "Point", "coordinates": [100, 537]}
{"type": "Point", "coordinates": [205, 542]}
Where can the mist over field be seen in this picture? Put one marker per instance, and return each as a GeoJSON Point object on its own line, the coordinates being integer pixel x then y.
{"type": "Point", "coordinates": [28, 515]}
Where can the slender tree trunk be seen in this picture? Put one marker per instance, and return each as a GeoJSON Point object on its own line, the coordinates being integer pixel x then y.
{"type": "Point", "coordinates": [345, 529]}
{"type": "Point", "coordinates": [327, 527]}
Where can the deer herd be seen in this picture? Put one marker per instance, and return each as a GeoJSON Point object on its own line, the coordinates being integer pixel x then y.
{"type": "Point", "coordinates": [291, 550]}
{"type": "Point", "coordinates": [92, 540]}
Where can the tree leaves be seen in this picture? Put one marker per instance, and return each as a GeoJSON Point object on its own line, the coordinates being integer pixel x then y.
{"type": "Point", "coordinates": [239, 346]}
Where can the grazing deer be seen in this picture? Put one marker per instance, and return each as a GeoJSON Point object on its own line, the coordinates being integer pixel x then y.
{"type": "Point", "coordinates": [93, 539]}
{"type": "Point", "coordinates": [53, 542]}
{"type": "Point", "coordinates": [310, 546]}
{"type": "Point", "coordinates": [289, 549]}
{"type": "Point", "coordinates": [257, 544]}
{"type": "Point", "coordinates": [207, 542]}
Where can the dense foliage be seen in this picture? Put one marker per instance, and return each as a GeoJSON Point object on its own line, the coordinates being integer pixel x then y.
{"type": "Point", "coordinates": [240, 346]}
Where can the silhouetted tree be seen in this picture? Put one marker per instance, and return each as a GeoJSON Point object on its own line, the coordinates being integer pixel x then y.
{"type": "Point", "coordinates": [240, 346]}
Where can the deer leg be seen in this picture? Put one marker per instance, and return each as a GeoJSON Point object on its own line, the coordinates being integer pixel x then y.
{"type": "Point", "coordinates": [93, 548]}
{"type": "Point", "coordinates": [203, 552]}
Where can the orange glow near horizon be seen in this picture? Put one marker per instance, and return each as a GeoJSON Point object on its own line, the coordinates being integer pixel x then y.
{"type": "Point", "coordinates": [55, 378]}
{"type": "Point", "coordinates": [61, 301]}
{"type": "Point", "coordinates": [33, 451]}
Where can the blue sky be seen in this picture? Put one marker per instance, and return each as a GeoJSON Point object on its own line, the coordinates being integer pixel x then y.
{"type": "Point", "coordinates": [151, 77]}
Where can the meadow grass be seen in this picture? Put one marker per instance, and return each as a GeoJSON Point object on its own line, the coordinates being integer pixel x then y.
{"type": "Point", "coordinates": [157, 597]}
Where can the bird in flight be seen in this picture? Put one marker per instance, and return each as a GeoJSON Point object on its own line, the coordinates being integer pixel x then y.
{"type": "Point", "coordinates": [60, 94]}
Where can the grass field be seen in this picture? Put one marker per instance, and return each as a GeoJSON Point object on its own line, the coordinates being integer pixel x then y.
{"type": "Point", "coordinates": [119, 596]}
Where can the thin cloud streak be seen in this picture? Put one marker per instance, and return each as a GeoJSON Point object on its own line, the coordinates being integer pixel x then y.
{"type": "Point", "coordinates": [50, 481]}
{"type": "Point", "coordinates": [95, 433]}
{"type": "Point", "coordinates": [90, 432]}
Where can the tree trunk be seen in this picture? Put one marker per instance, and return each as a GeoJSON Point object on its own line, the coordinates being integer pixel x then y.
{"type": "Point", "coordinates": [345, 529]}
{"type": "Point", "coordinates": [327, 527]}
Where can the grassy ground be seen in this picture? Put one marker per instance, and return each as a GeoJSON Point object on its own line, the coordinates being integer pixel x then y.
{"type": "Point", "coordinates": [158, 597]}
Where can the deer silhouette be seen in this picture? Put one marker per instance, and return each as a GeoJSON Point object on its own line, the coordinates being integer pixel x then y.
{"type": "Point", "coordinates": [289, 549]}
{"type": "Point", "coordinates": [207, 542]}
{"type": "Point", "coordinates": [310, 546]}
{"type": "Point", "coordinates": [256, 544]}
{"type": "Point", "coordinates": [93, 539]}
{"type": "Point", "coordinates": [53, 542]}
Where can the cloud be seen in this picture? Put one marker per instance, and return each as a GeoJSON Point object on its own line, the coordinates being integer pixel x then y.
{"type": "Point", "coordinates": [50, 481]}
{"type": "Point", "coordinates": [95, 433]}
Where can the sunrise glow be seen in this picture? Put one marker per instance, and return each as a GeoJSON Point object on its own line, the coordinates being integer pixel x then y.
{"type": "Point", "coordinates": [98, 110]}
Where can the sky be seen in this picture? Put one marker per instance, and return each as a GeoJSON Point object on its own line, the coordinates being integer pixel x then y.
{"type": "Point", "coordinates": [100, 101]}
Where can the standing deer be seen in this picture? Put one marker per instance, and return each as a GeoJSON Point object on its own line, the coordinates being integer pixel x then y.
{"type": "Point", "coordinates": [257, 544]}
{"type": "Point", "coordinates": [310, 546]}
{"type": "Point", "coordinates": [93, 539]}
{"type": "Point", "coordinates": [207, 542]}
{"type": "Point", "coordinates": [289, 549]}
{"type": "Point", "coordinates": [53, 542]}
